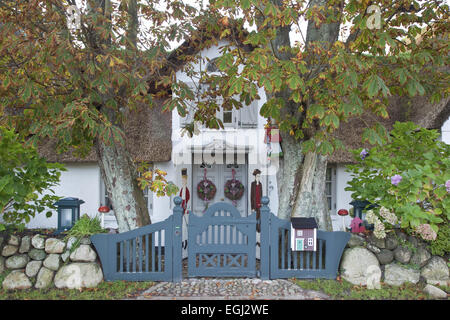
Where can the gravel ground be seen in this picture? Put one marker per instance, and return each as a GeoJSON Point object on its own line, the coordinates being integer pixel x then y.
{"type": "Point", "coordinates": [229, 289]}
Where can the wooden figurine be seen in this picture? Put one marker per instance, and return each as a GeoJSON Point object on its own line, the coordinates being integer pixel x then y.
{"type": "Point", "coordinates": [255, 196]}
{"type": "Point", "coordinates": [184, 191]}
{"type": "Point", "coordinates": [185, 196]}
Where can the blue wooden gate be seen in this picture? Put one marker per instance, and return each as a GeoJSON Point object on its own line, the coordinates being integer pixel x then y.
{"type": "Point", "coordinates": [279, 261]}
{"type": "Point", "coordinates": [221, 243]}
{"type": "Point", "coordinates": [149, 253]}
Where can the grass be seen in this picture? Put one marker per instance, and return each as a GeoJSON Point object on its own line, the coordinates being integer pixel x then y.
{"type": "Point", "coordinates": [114, 290]}
{"type": "Point", "coordinates": [343, 290]}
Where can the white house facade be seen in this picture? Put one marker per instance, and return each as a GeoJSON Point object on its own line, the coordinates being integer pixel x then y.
{"type": "Point", "coordinates": [218, 155]}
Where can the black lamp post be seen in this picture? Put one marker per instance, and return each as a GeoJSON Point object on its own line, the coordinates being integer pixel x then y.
{"type": "Point", "coordinates": [68, 213]}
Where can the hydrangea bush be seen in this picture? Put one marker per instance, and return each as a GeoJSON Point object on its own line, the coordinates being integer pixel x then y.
{"type": "Point", "coordinates": [408, 178]}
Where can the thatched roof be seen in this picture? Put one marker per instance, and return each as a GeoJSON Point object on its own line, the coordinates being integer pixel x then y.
{"type": "Point", "coordinates": [148, 138]}
{"type": "Point", "coordinates": [418, 110]}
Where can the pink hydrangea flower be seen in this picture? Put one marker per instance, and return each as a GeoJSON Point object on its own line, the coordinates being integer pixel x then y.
{"type": "Point", "coordinates": [395, 180]}
{"type": "Point", "coordinates": [426, 232]}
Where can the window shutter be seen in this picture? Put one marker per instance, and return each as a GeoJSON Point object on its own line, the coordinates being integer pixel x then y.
{"type": "Point", "coordinates": [249, 115]}
{"type": "Point", "coordinates": [190, 112]}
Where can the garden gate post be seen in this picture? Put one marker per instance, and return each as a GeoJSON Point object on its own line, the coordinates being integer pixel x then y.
{"type": "Point", "coordinates": [265, 239]}
{"type": "Point", "coordinates": [177, 263]}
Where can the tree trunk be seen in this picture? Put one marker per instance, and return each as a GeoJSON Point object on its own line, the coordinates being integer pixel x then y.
{"type": "Point", "coordinates": [119, 174]}
{"type": "Point", "coordinates": [301, 178]}
{"type": "Point", "coordinates": [117, 168]}
{"type": "Point", "coordinates": [301, 185]}
{"type": "Point", "coordinates": [288, 175]}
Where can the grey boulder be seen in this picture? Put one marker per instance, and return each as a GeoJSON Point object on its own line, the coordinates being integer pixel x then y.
{"type": "Point", "coordinates": [44, 278]}
{"type": "Point", "coordinates": [385, 256]}
{"type": "Point", "coordinates": [14, 240]}
{"type": "Point", "coordinates": [32, 268]}
{"type": "Point", "coordinates": [17, 261]}
{"type": "Point", "coordinates": [435, 292]}
{"type": "Point", "coordinates": [355, 265]}
{"type": "Point", "coordinates": [402, 254]}
{"type": "Point", "coordinates": [52, 261]}
{"type": "Point", "coordinates": [396, 275]}
{"type": "Point", "coordinates": [391, 241]}
{"type": "Point", "coordinates": [53, 245]}
{"type": "Point", "coordinates": [84, 253]}
{"type": "Point", "coordinates": [25, 244]}
{"type": "Point", "coordinates": [435, 271]}
{"type": "Point", "coordinates": [355, 241]}
{"type": "Point", "coordinates": [79, 275]}
{"type": "Point", "coordinates": [37, 254]}
{"type": "Point", "coordinates": [16, 280]}
{"type": "Point", "coordinates": [9, 250]}
{"type": "Point", "coordinates": [38, 241]}
{"type": "Point", "coordinates": [420, 257]}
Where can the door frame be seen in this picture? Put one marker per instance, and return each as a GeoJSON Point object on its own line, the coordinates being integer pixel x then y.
{"type": "Point", "coordinates": [246, 195]}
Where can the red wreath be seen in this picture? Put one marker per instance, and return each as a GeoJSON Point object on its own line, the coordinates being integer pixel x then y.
{"type": "Point", "coordinates": [206, 189]}
{"type": "Point", "coordinates": [234, 189]}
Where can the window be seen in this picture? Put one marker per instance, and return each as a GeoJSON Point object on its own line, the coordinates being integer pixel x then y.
{"type": "Point", "coordinates": [310, 242]}
{"type": "Point", "coordinates": [330, 188]}
{"type": "Point", "coordinates": [228, 117]}
{"type": "Point", "coordinates": [104, 199]}
{"type": "Point", "coordinates": [299, 233]}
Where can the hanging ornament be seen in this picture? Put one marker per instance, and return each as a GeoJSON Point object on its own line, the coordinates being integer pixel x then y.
{"type": "Point", "coordinates": [206, 190]}
{"type": "Point", "coordinates": [234, 189]}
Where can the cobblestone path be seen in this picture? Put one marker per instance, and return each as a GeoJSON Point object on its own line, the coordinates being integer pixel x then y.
{"type": "Point", "coordinates": [229, 289]}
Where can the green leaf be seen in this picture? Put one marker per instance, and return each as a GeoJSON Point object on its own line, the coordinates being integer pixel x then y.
{"type": "Point", "coordinates": [295, 82]}
{"type": "Point", "coordinates": [296, 96]}
{"type": "Point", "coordinates": [26, 92]}
{"type": "Point", "coordinates": [372, 86]}
{"type": "Point", "coordinates": [245, 4]}
{"type": "Point", "coordinates": [316, 111]}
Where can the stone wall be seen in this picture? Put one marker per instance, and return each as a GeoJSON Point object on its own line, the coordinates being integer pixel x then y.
{"type": "Point", "coordinates": [40, 261]}
{"type": "Point", "coordinates": [397, 259]}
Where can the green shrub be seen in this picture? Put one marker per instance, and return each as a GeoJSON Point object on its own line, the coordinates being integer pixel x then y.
{"type": "Point", "coordinates": [406, 178]}
{"type": "Point", "coordinates": [84, 227]}
{"type": "Point", "coordinates": [24, 178]}
{"type": "Point", "coordinates": [441, 246]}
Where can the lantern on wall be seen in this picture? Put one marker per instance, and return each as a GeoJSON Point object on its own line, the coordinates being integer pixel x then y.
{"type": "Point", "coordinates": [359, 206]}
{"type": "Point", "coordinates": [68, 213]}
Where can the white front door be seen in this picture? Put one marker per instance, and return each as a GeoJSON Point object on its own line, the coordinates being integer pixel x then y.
{"type": "Point", "coordinates": [219, 174]}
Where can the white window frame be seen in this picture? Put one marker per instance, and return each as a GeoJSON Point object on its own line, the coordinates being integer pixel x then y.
{"type": "Point", "coordinates": [148, 196]}
{"type": "Point", "coordinates": [332, 210]}
{"type": "Point", "coordinates": [234, 116]}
